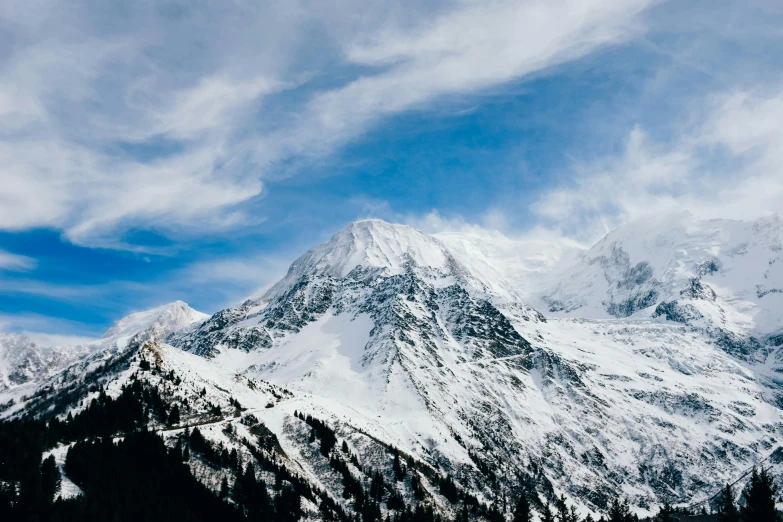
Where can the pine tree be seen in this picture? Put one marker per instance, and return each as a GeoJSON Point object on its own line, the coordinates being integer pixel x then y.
{"type": "Point", "coordinates": [174, 415]}
{"type": "Point", "coordinates": [546, 514]}
{"type": "Point", "coordinates": [462, 516]}
{"type": "Point", "coordinates": [395, 501]}
{"type": "Point", "coordinates": [760, 498]}
{"type": "Point", "coordinates": [377, 487]}
{"type": "Point", "coordinates": [619, 512]}
{"type": "Point", "coordinates": [727, 509]}
{"type": "Point", "coordinates": [562, 509]}
{"type": "Point", "coordinates": [224, 488]}
{"type": "Point", "coordinates": [399, 472]}
{"type": "Point", "coordinates": [50, 479]}
{"type": "Point", "coordinates": [233, 459]}
{"type": "Point", "coordinates": [522, 511]}
{"type": "Point", "coordinates": [418, 490]}
{"type": "Point", "coordinates": [449, 489]}
{"type": "Point", "coordinates": [666, 514]}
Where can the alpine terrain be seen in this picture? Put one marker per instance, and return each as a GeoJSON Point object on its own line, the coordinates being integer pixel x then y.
{"type": "Point", "coordinates": [395, 373]}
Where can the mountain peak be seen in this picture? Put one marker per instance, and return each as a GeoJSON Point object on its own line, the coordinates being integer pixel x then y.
{"type": "Point", "coordinates": [156, 322]}
{"type": "Point", "coordinates": [380, 230]}
{"type": "Point", "coordinates": [378, 244]}
{"type": "Point", "coordinates": [371, 244]}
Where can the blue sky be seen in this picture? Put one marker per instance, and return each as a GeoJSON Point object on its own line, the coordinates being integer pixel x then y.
{"type": "Point", "coordinates": [154, 151]}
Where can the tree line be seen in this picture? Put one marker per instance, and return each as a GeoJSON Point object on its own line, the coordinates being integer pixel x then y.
{"type": "Point", "coordinates": [759, 496]}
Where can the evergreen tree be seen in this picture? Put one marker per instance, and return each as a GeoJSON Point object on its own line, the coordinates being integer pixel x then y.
{"type": "Point", "coordinates": [666, 514]}
{"type": "Point", "coordinates": [727, 509]}
{"type": "Point", "coordinates": [395, 500]}
{"type": "Point", "coordinates": [449, 489]}
{"type": "Point", "coordinates": [522, 511]}
{"type": "Point", "coordinates": [619, 512]}
{"type": "Point", "coordinates": [760, 498]}
{"type": "Point", "coordinates": [50, 479]}
{"type": "Point", "coordinates": [462, 515]}
{"type": "Point", "coordinates": [399, 471]}
{"type": "Point", "coordinates": [224, 488]}
{"type": "Point", "coordinates": [377, 487]}
{"type": "Point", "coordinates": [287, 506]}
{"type": "Point", "coordinates": [562, 510]}
{"type": "Point", "coordinates": [546, 514]}
{"type": "Point", "coordinates": [418, 489]}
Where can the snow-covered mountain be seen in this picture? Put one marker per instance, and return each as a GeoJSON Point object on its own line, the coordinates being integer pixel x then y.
{"type": "Point", "coordinates": [723, 277]}
{"type": "Point", "coordinates": [385, 320]}
{"type": "Point", "coordinates": [152, 325]}
{"type": "Point", "coordinates": [20, 360]}
{"type": "Point", "coordinates": [654, 371]}
{"type": "Point", "coordinates": [23, 361]}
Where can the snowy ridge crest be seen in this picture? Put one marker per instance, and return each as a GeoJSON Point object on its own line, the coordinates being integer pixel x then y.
{"type": "Point", "coordinates": [371, 248]}
{"type": "Point", "coordinates": [23, 362]}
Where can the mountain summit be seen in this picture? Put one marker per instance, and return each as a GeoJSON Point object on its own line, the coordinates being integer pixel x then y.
{"type": "Point", "coordinates": [372, 248]}
{"type": "Point", "coordinates": [373, 244]}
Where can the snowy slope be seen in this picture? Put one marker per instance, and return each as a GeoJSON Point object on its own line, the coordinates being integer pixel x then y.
{"type": "Point", "coordinates": [24, 362]}
{"type": "Point", "coordinates": [154, 324]}
{"type": "Point", "coordinates": [642, 264]}
{"type": "Point", "coordinates": [656, 372]}
{"type": "Point", "coordinates": [410, 335]}
{"type": "Point", "coordinates": [236, 412]}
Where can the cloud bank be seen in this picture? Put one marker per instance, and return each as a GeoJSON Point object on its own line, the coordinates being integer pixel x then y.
{"type": "Point", "coordinates": [157, 116]}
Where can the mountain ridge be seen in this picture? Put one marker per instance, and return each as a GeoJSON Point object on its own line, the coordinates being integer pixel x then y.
{"type": "Point", "coordinates": [25, 361]}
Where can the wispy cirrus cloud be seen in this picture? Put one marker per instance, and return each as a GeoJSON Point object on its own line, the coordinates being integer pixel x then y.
{"type": "Point", "coordinates": [462, 50]}
{"type": "Point", "coordinates": [15, 262]}
{"type": "Point", "coordinates": [727, 164]}
{"type": "Point", "coordinates": [152, 115]}
{"type": "Point", "coordinates": [45, 330]}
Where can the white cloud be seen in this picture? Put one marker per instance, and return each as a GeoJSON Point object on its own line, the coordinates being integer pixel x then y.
{"type": "Point", "coordinates": [81, 95]}
{"type": "Point", "coordinates": [210, 105]}
{"type": "Point", "coordinates": [729, 165]}
{"type": "Point", "coordinates": [189, 83]}
{"type": "Point", "coordinates": [51, 339]}
{"type": "Point", "coordinates": [15, 262]}
{"type": "Point", "coordinates": [602, 194]}
{"type": "Point", "coordinates": [471, 47]}
{"type": "Point", "coordinates": [236, 278]}
{"type": "Point", "coordinates": [46, 330]}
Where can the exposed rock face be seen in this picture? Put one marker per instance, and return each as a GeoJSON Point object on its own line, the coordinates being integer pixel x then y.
{"type": "Point", "coordinates": [21, 360]}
